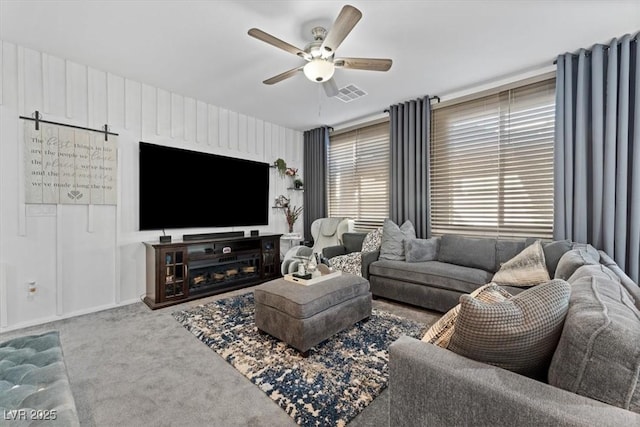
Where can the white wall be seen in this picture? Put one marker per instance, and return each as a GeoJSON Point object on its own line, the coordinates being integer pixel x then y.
{"type": "Point", "coordinates": [87, 258]}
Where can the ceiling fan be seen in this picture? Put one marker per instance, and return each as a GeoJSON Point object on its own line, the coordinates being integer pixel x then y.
{"type": "Point", "coordinates": [319, 54]}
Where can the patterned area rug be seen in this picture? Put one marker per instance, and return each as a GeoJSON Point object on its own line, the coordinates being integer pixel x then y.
{"type": "Point", "coordinates": [340, 377]}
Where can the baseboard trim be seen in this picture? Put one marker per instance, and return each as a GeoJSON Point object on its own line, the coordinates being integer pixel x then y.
{"type": "Point", "coordinates": [50, 319]}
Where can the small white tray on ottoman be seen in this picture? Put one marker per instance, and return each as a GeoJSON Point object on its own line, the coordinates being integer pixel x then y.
{"type": "Point", "coordinates": [303, 316]}
{"type": "Point", "coordinates": [313, 280]}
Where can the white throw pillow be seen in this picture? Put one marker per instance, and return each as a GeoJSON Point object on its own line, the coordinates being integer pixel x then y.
{"type": "Point", "coordinates": [528, 268]}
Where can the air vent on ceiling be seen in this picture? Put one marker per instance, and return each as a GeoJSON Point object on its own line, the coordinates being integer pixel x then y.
{"type": "Point", "coordinates": [350, 93]}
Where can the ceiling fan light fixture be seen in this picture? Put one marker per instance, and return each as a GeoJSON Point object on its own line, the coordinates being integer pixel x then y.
{"type": "Point", "coordinates": [319, 70]}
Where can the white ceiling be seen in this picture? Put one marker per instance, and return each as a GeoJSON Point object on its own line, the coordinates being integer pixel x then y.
{"type": "Point", "coordinates": [201, 48]}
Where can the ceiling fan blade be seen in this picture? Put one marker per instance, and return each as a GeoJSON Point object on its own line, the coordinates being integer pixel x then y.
{"type": "Point", "coordinates": [346, 20]}
{"type": "Point", "coordinates": [330, 88]}
{"type": "Point", "coordinates": [371, 64]}
{"type": "Point", "coordinates": [282, 76]}
{"type": "Point", "coordinates": [274, 41]}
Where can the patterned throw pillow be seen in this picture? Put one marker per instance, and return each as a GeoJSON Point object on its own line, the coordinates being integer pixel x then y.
{"type": "Point", "coordinates": [393, 237]}
{"type": "Point", "coordinates": [519, 334]}
{"type": "Point", "coordinates": [372, 240]}
{"type": "Point", "coordinates": [352, 262]}
{"type": "Point", "coordinates": [349, 263]}
{"type": "Point", "coordinates": [440, 333]}
{"type": "Point", "coordinates": [528, 268]}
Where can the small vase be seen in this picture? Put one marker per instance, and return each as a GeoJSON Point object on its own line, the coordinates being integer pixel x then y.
{"type": "Point", "coordinates": [290, 228]}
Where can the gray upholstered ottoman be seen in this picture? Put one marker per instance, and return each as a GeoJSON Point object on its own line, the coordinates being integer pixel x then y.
{"type": "Point", "coordinates": [303, 316]}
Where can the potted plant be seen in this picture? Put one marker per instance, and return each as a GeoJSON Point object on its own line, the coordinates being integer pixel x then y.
{"type": "Point", "coordinates": [292, 214]}
{"type": "Point", "coordinates": [281, 165]}
{"type": "Point", "coordinates": [298, 184]}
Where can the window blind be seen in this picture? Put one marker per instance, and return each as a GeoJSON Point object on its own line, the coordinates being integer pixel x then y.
{"type": "Point", "coordinates": [492, 164]}
{"type": "Point", "coordinates": [358, 175]}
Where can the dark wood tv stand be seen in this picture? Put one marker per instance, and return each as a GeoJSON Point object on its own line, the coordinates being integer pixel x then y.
{"type": "Point", "coordinates": [185, 270]}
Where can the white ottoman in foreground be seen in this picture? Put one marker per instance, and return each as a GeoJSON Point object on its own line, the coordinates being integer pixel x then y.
{"type": "Point", "coordinates": [305, 315]}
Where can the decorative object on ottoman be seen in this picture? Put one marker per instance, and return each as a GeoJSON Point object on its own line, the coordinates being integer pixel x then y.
{"type": "Point", "coordinates": [34, 383]}
{"type": "Point", "coordinates": [303, 316]}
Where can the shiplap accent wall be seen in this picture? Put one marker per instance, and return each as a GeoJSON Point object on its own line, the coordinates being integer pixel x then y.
{"type": "Point", "coordinates": [88, 258]}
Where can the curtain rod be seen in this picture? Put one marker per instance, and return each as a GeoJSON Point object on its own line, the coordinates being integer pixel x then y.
{"type": "Point", "coordinates": [634, 39]}
{"type": "Point", "coordinates": [431, 98]}
{"type": "Point", "coordinates": [38, 120]}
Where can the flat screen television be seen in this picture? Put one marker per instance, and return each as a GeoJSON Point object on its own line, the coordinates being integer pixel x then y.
{"type": "Point", "coordinates": [187, 189]}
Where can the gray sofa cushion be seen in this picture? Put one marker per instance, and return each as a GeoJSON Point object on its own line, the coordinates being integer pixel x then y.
{"type": "Point", "coordinates": [433, 273]}
{"type": "Point", "coordinates": [393, 239]}
{"type": "Point", "coordinates": [630, 286]}
{"type": "Point", "coordinates": [33, 375]}
{"type": "Point", "coordinates": [352, 241]}
{"type": "Point", "coordinates": [468, 252]}
{"type": "Point", "coordinates": [597, 270]}
{"type": "Point", "coordinates": [598, 355]}
{"type": "Point", "coordinates": [417, 250]}
{"type": "Point", "coordinates": [519, 334]}
{"type": "Point", "coordinates": [574, 259]}
{"type": "Point", "coordinates": [553, 251]}
{"type": "Point", "coordinates": [507, 249]}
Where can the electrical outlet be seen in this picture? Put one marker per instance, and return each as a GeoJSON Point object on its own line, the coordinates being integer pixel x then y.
{"type": "Point", "coordinates": [31, 288]}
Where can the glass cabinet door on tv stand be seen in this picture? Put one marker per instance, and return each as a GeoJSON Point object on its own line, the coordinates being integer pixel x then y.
{"type": "Point", "coordinates": [172, 274]}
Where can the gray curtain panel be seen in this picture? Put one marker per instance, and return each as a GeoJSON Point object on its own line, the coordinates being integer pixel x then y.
{"type": "Point", "coordinates": [597, 150]}
{"type": "Point", "coordinates": [409, 186]}
{"type": "Point", "coordinates": [316, 142]}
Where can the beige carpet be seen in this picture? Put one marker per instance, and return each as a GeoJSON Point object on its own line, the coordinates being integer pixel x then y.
{"type": "Point", "coordinates": [131, 366]}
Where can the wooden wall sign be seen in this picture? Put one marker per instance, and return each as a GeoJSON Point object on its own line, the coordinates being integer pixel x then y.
{"type": "Point", "coordinates": [69, 166]}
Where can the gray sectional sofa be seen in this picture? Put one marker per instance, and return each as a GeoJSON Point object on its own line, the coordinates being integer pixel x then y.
{"type": "Point", "coordinates": [592, 378]}
{"type": "Point", "coordinates": [461, 265]}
